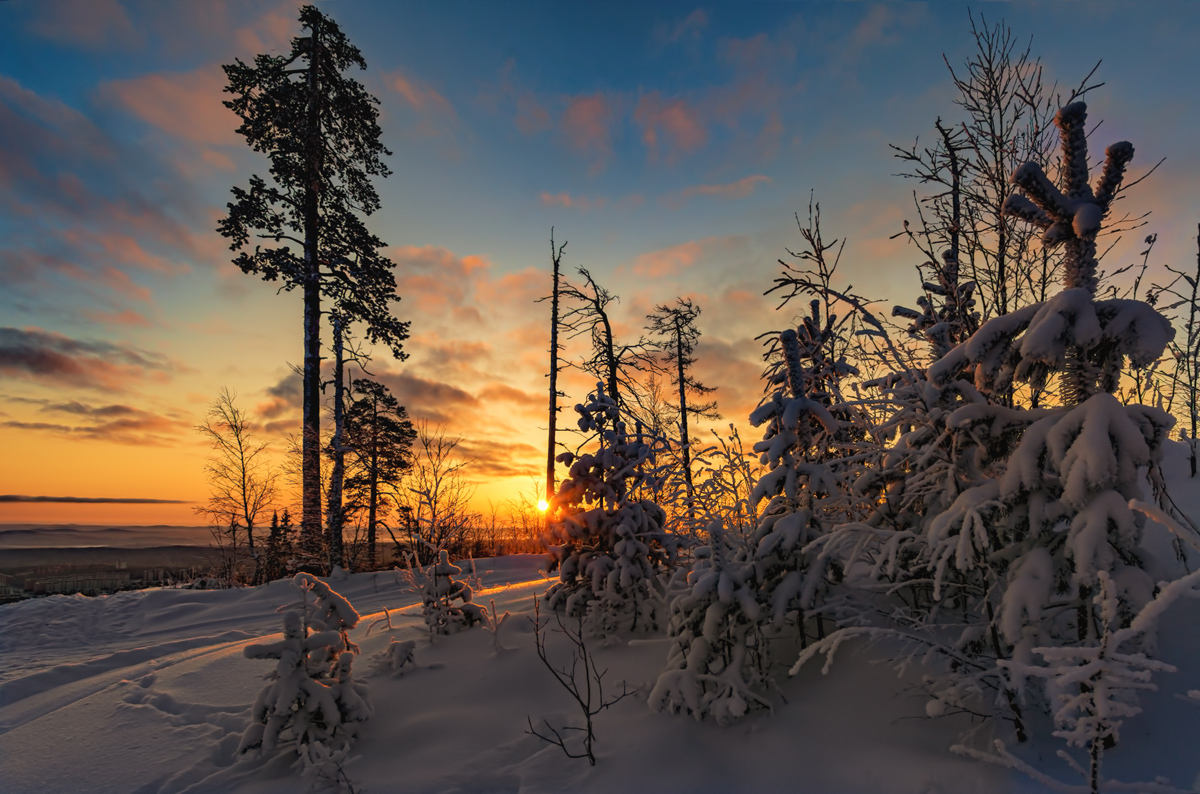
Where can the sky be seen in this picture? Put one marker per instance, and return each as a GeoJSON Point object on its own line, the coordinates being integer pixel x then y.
{"type": "Point", "coordinates": [669, 143]}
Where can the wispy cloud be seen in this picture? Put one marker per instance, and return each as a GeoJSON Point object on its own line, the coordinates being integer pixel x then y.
{"type": "Point", "coordinates": [568, 201]}
{"type": "Point", "coordinates": [689, 28]}
{"type": "Point", "coordinates": [56, 359]}
{"type": "Point", "coordinates": [186, 107]}
{"type": "Point", "coordinates": [91, 24]}
{"type": "Point", "coordinates": [740, 189]}
{"type": "Point", "coordinates": [425, 112]}
{"type": "Point", "coordinates": [675, 259]}
{"type": "Point", "coordinates": [670, 128]}
{"type": "Point", "coordinates": [587, 128]}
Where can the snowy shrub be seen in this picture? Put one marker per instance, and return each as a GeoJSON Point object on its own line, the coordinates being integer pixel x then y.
{"type": "Point", "coordinates": [397, 658]}
{"type": "Point", "coordinates": [718, 663]}
{"type": "Point", "coordinates": [1094, 688]}
{"type": "Point", "coordinates": [612, 550]}
{"type": "Point", "coordinates": [311, 696]}
{"type": "Point", "coordinates": [1034, 519]}
{"type": "Point", "coordinates": [799, 484]}
{"type": "Point", "coordinates": [745, 589]}
{"type": "Point", "coordinates": [439, 591]}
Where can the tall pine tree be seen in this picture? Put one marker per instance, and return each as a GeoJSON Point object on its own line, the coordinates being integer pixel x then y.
{"type": "Point", "coordinates": [318, 128]}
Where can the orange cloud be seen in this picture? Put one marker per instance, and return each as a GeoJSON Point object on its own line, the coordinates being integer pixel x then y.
{"type": "Point", "coordinates": [668, 261]}
{"type": "Point", "coordinates": [677, 258]}
{"type": "Point", "coordinates": [672, 126]}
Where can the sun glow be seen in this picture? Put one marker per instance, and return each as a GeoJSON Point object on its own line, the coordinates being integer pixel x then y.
{"type": "Point", "coordinates": [543, 505]}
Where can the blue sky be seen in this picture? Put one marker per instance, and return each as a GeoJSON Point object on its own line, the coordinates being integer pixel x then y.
{"type": "Point", "coordinates": [670, 143]}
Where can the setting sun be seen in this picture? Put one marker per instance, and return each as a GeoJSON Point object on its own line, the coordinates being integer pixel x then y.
{"type": "Point", "coordinates": [543, 505]}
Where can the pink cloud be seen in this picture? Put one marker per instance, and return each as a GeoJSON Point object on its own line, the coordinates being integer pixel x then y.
{"type": "Point", "coordinates": [127, 318]}
{"type": "Point", "coordinates": [690, 27]}
{"type": "Point", "coordinates": [586, 125]}
{"type": "Point", "coordinates": [532, 117]}
{"type": "Point", "coordinates": [185, 105]}
{"type": "Point", "coordinates": [668, 261]}
{"type": "Point", "coordinates": [92, 24]}
{"type": "Point", "coordinates": [571, 202]}
{"type": "Point", "coordinates": [419, 95]}
{"type": "Point", "coordinates": [671, 126]}
{"type": "Point", "coordinates": [530, 114]}
{"type": "Point", "coordinates": [272, 32]}
{"type": "Point", "coordinates": [740, 189]}
{"type": "Point", "coordinates": [436, 117]}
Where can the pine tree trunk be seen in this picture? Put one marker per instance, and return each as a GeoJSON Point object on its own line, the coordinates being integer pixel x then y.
{"type": "Point", "coordinates": [310, 524]}
{"type": "Point", "coordinates": [336, 511]}
{"type": "Point", "coordinates": [372, 513]}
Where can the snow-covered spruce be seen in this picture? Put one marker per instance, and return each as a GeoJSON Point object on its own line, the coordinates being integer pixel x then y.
{"type": "Point", "coordinates": [718, 665]}
{"type": "Point", "coordinates": [439, 592]}
{"type": "Point", "coordinates": [741, 591]}
{"type": "Point", "coordinates": [1022, 554]}
{"type": "Point", "coordinates": [611, 548]}
{"type": "Point", "coordinates": [311, 696]}
{"type": "Point", "coordinates": [798, 445]}
{"type": "Point", "coordinates": [947, 313]}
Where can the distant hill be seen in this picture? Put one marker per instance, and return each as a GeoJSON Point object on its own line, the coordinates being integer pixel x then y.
{"type": "Point", "coordinates": [43, 536]}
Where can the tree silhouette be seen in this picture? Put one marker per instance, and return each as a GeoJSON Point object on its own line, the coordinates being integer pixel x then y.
{"type": "Point", "coordinates": [318, 128]}
{"type": "Point", "coordinates": [675, 327]}
{"type": "Point", "coordinates": [241, 478]}
{"type": "Point", "coordinates": [380, 435]}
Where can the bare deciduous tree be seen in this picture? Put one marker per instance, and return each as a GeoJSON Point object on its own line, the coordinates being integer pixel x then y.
{"type": "Point", "coordinates": [435, 501]}
{"type": "Point", "coordinates": [555, 347]}
{"type": "Point", "coordinates": [609, 361]}
{"type": "Point", "coordinates": [239, 473]}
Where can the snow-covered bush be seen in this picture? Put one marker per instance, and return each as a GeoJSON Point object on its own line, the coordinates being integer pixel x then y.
{"type": "Point", "coordinates": [611, 548]}
{"type": "Point", "coordinates": [796, 448]}
{"type": "Point", "coordinates": [396, 659]}
{"type": "Point", "coordinates": [439, 591]}
{"type": "Point", "coordinates": [718, 665]}
{"type": "Point", "coordinates": [311, 697]}
{"type": "Point", "coordinates": [1039, 517]}
{"type": "Point", "coordinates": [744, 590]}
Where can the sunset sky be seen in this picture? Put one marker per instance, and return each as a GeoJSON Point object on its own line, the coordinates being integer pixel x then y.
{"type": "Point", "coordinates": [669, 143]}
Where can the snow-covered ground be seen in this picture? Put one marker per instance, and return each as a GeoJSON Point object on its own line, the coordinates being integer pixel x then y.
{"type": "Point", "coordinates": [149, 691]}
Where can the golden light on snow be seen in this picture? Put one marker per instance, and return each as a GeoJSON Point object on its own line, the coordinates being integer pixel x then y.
{"type": "Point", "coordinates": [543, 505]}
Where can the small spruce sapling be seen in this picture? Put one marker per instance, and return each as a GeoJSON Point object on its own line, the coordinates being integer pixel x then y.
{"type": "Point", "coordinates": [438, 589]}
{"type": "Point", "coordinates": [718, 665]}
{"type": "Point", "coordinates": [311, 696]}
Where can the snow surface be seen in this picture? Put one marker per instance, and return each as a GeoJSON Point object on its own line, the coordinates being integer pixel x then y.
{"type": "Point", "coordinates": [149, 691]}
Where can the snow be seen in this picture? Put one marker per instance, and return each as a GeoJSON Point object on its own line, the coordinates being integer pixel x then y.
{"type": "Point", "coordinates": [150, 691]}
